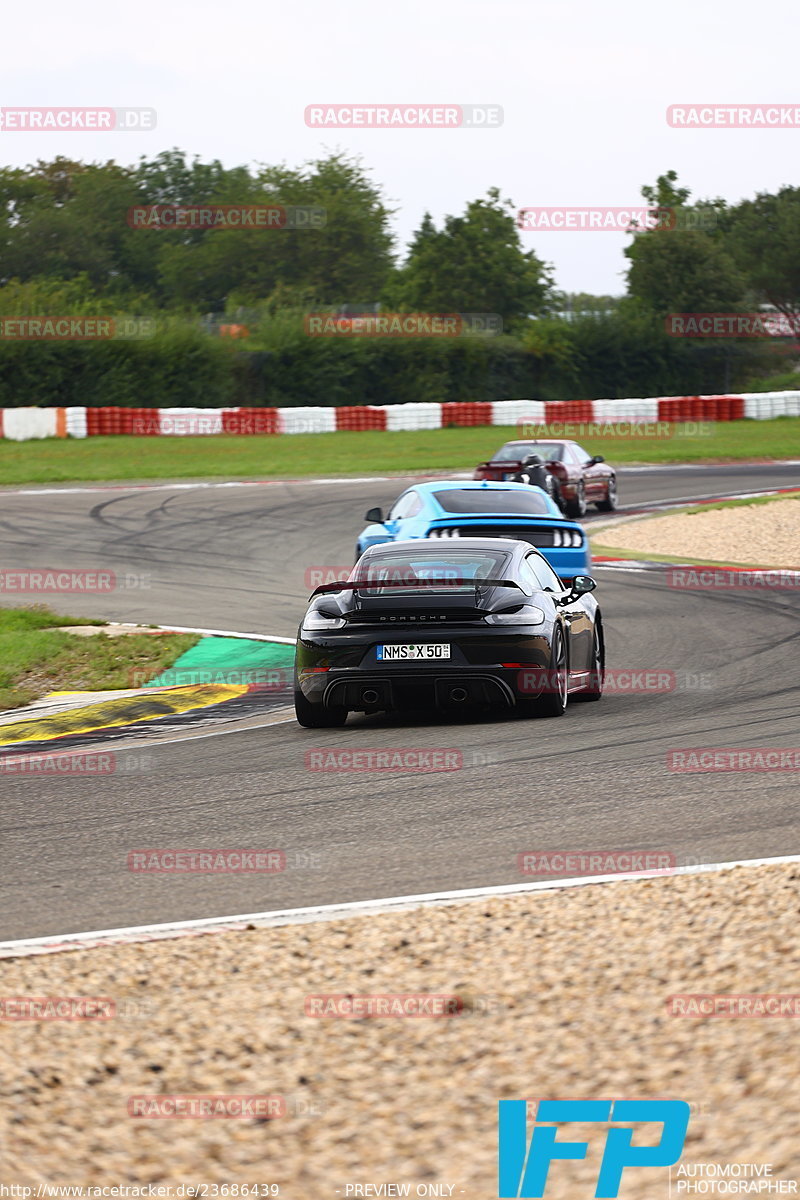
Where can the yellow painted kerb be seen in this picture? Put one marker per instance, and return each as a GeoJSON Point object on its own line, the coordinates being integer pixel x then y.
{"type": "Point", "coordinates": [124, 711]}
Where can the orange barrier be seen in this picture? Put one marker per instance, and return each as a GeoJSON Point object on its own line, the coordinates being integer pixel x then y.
{"type": "Point", "coordinates": [360, 417]}
{"type": "Point", "coordinates": [145, 422]}
{"type": "Point", "coordinates": [24, 423]}
{"type": "Point", "coordinates": [569, 410]}
{"type": "Point", "coordinates": [701, 408]}
{"type": "Point", "coordinates": [466, 412]}
{"type": "Point", "coordinates": [251, 420]}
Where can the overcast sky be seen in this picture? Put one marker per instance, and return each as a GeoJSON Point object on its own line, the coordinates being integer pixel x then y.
{"type": "Point", "coordinates": [584, 87]}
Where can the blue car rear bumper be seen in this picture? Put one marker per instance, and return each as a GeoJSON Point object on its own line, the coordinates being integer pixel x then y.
{"type": "Point", "coordinates": [568, 563]}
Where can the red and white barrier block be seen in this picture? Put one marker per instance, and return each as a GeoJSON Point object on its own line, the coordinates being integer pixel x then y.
{"type": "Point", "coordinates": [22, 424]}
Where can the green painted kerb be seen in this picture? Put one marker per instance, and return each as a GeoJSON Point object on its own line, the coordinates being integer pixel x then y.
{"type": "Point", "coordinates": [233, 661]}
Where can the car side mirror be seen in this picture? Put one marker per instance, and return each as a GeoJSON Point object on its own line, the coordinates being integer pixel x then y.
{"type": "Point", "coordinates": [598, 458]}
{"type": "Point", "coordinates": [582, 584]}
{"type": "Point", "coordinates": [375, 515]}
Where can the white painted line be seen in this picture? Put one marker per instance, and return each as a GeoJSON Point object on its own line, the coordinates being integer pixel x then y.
{"type": "Point", "coordinates": [251, 637]}
{"type": "Point", "coordinates": [331, 912]}
{"type": "Point", "coordinates": [721, 466]}
{"type": "Point", "coordinates": [87, 490]}
{"type": "Point", "coordinates": [630, 567]}
{"type": "Point", "coordinates": [598, 524]}
{"type": "Point", "coordinates": [100, 488]}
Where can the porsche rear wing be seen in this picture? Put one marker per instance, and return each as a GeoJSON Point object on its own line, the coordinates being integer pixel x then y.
{"type": "Point", "coordinates": [442, 584]}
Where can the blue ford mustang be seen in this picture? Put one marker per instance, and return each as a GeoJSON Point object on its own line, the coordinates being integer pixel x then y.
{"type": "Point", "coordinates": [455, 508]}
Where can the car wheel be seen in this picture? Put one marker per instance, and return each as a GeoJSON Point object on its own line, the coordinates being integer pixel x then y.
{"type": "Point", "coordinates": [556, 494]}
{"type": "Point", "coordinates": [610, 502]}
{"type": "Point", "coordinates": [577, 507]}
{"type": "Point", "coordinates": [317, 716]}
{"type": "Point", "coordinates": [554, 701]}
{"type": "Point", "coordinates": [597, 678]}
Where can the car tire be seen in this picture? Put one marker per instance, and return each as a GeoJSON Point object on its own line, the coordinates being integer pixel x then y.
{"type": "Point", "coordinates": [556, 495]}
{"type": "Point", "coordinates": [595, 690]}
{"type": "Point", "coordinates": [553, 703]}
{"type": "Point", "coordinates": [317, 716]}
{"type": "Point", "coordinates": [577, 507]}
{"type": "Point", "coordinates": [610, 502]}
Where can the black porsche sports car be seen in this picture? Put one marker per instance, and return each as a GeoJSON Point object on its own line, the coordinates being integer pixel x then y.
{"type": "Point", "coordinates": [482, 621]}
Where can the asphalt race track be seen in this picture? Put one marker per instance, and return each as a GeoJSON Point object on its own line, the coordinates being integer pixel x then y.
{"type": "Point", "coordinates": [235, 558]}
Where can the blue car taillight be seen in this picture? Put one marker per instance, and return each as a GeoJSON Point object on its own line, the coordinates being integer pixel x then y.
{"type": "Point", "coordinates": [567, 537]}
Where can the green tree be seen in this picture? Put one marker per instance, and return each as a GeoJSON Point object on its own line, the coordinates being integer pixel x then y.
{"type": "Point", "coordinates": [64, 219]}
{"type": "Point", "coordinates": [475, 263]}
{"type": "Point", "coordinates": [763, 238]}
{"type": "Point", "coordinates": [677, 268]}
{"type": "Point", "coordinates": [345, 260]}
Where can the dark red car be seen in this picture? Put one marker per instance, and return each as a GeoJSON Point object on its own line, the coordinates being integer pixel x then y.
{"type": "Point", "coordinates": [579, 479]}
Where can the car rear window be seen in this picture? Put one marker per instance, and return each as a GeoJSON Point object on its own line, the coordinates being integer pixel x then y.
{"type": "Point", "coordinates": [516, 451]}
{"type": "Point", "coordinates": [507, 501]}
{"type": "Point", "coordinates": [451, 567]}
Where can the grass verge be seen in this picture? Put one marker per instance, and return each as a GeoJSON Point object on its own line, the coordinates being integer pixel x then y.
{"type": "Point", "coordinates": [63, 460]}
{"type": "Point", "coordinates": [678, 559]}
{"type": "Point", "coordinates": [36, 658]}
{"type": "Point", "coordinates": [745, 501]}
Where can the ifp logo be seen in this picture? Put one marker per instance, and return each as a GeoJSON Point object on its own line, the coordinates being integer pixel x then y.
{"type": "Point", "coordinates": [522, 1170]}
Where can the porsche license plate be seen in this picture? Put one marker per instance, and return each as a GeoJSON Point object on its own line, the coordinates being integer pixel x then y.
{"type": "Point", "coordinates": [414, 652]}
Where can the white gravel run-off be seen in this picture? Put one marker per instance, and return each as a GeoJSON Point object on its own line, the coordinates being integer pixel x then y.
{"type": "Point", "coordinates": [565, 994]}
{"type": "Point", "coordinates": [766, 535]}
